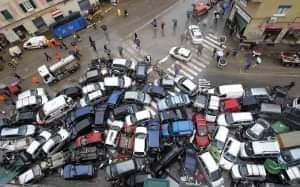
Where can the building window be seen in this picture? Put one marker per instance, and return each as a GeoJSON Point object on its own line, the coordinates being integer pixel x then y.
{"type": "Point", "coordinates": [6, 14]}
{"type": "Point", "coordinates": [282, 10]}
{"type": "Point", "coordinates": [27, 5]}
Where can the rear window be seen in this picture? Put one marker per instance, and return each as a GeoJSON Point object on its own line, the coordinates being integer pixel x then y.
{"type": "Point", "coordinates": [141, 70]}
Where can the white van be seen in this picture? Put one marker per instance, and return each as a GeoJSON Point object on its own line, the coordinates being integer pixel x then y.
{"type": "Point", "coordinates": [36, 42]}
{"type": "Point", "coordinates": [212, 172]}
{"type": "Point", "coordinates": [55, 109]}
{"type": "Point", "coordinates": [230, 153]}
{"type": "Point", "coordinates": [212, 109]}
{"type": "Point", "coordinates": [260, 149]}
{"type": "Point", "coordinates": [235, 119]}
{"type": "Point", "coordinates": [231, 91]}
{"type": "Point", "coordinates": [32, 102]}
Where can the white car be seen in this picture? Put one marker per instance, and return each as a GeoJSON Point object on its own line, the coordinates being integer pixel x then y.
{"type": "Point", "coordinates": [249, 172]}
{"type": "Point", "coordinates": [196, 34]}
{"type": "Point", "coordinates": [230, 153]}
{"type": "Point", "coordinates": [212, 172]}
{"type": "Point", "coordinates": [25, 130]}
{"type": "Point", "coordinates": [186, 85]}
{"type": "Point", "coordinates": [139, 149]}
{"type": "Point", "coordinates": [91, 97]}
{"type": "Point", "coordinates": [260, 149]}
{"type": "Point", "coordinates": [34, 92]}
{"type": "Point", "coordinates": [15, 51]}
{"type": "Point", "coordinates": [33, 102]}
{"type": "Point", "coordinates": [32, 174]}
{"type": "Point", "coordinates": [235, 119]}
{"type": "Point", "coordinates": [117, 82]}
{"type": "Point", "coordinates": [112, 134]}
{"type": "Point", "coordinates": [258, 130]}
{"type": "Point", "coordinates": [36, 42]}
{"type": "Point", "coordinates": [55, 141]}
{"type": "Point", "coordinates": [93, 87]}
{"type": "Point", "coordinates": [36, 144]}
{"type": "Point", "coordinates": [181, 53]}
{"type": "Point", "coordinates": [139, 116]}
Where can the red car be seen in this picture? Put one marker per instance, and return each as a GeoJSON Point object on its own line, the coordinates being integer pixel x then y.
{"type": "Point", "coordinates": [90, 138]}
{"type": "Point", "coordinates": [232, 105]}
{"type": "Point", "coordinates": [201, 138]}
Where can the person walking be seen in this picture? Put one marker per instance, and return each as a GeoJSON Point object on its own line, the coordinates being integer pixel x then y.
{"type": "Point", "coordinates": [47, 56]}
{"type": "Point", "coordinates": [76, 37]}
{"type": "Point", "coordinates": [135, 36]}
{"type": "Point", "coordinates": [18, 76]}
{"type": "Point", "coordinates": [177, 68]}
{"type": "Point", "coordinates": [182, 38]}
{"type": "Point", "coordinates": [120, 49]}
{"type": "Point", "coordinates": [13, 63]}
{"type": "Point", "coordinates": [214, 52]}
{"type": "Point", "coordinates": [125, 13]}
{"type": "Point", "coordinates": [200, 48]}
{"type": "Point", "coordinates": [138, 43]}
{"type": "Point", "coordinates": [92, 43]}
{"type": "Point", "coordinates": [118, 12]}
{"type": "Point", "coordinates": [63, 45]}
{"type": "Point", "coordinates": [105, 47]}
{"type": "Point", "coordinates": [154, 23]}
{"type": "Point", "coordinates": [162, 26]}
{"type": "Point", "coordinates": [174, 24]}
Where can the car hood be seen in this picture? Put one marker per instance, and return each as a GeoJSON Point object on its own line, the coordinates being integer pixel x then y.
{"type": "Point", "coordinates": [82, 102]}
{"type": "Point", "coordinates": [243, 151]}
{"type": "Point", "coordinates": [33, 147]}
{"type": "Point", "coordinates": [225, 164]}
{"type": "Point", "coordinates": [48, 145]}
{"type": "Point", "coordinates": [139, 145]}
{"type": "Point", "coordinates": [30, 130]}
{"type": "Point", "coordinates": [127, 82]}
{"type": "Point", "coordinates": [172, 50]}
{"type": "Point", "coordinates": [147, 99]}
{"type": "Point", "coordinates": [111, 137]}
{"type": "Point", "coordinates": [235, 172]}
{"type": "Point", "coordinates": [202, 141]}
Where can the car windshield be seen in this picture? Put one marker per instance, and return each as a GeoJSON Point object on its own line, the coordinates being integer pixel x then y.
{"type": "Point", "coordinates": [140, 136]}
{"type": "Point", "coordinates": [116, 128]}
{"type": "Point", "coordinates": [229, 118]}
{"type": "Point", "coordinates": [176, 50]}
{"type": "Point", "coordinates": [249, 148]}
{"type": "Point", "coordinates": [229, 157]}
{"type": "Point", "coordinates": [219, 144]}
{"type": "Point", "coordinates": [215, 175]}
{"type": "Point", "coordinates": [202, 131]}
{"type": "Point", "coordinates": [243, 170]}
{"type": "Point", "coordinates": [42, 115]}
{"type": "Point", "coordinates": [141, 96]}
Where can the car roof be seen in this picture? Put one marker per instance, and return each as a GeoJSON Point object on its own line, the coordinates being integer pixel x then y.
{"type": "Point", "coordinates": [53, 104]}
{"type": "Point", "coordinates": [209, 161]}
{"type": "Point", "coordinates": [242, 116]}
{"type": "Point", "coordinates": [189, 84]}
{"type": "Point", "coordinates": [222, 133]}
{"type": "Point", "coordinates": [184, 51]}
{"type": "Point", "coordinates": [111, 81]}
{"type": "Point", "coordinates": [234, 148]}
{"type": "Point", "coordinates": [259, 91]}
{"type": "Point", "coordinates": [120, 61]}
{"type": "Point", "coordinates": [260, 147]}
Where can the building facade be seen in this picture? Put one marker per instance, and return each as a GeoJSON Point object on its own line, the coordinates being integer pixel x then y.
{"type": "Point", "coordinates": [270, 21]}
{"type": "Point", "coordinates": [21, 18]}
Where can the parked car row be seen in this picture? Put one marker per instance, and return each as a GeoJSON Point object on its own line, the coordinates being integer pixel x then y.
{"type": "Point", "coordinates": [116, 122]}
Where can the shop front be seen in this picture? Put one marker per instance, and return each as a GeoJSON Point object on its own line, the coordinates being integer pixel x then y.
{"type": "Point", "coordinates": [292, 36]}
{"type": "Point", "coordinates": [271, 32]}
{"type": "Point", "coordinates": [239, 20]}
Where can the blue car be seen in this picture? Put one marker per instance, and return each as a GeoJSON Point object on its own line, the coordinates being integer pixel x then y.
{"type": "Point", "coordinates": [72, 171]}
{"type": "Point", "coordinates": [165, 130]}
{"type": "Point", "coordinates": [153, 135]}
{"type": "Point", "coordinates": [181, 128]}
{"type": "Point", "coordinates": [79, 114]}
{"type": "Point", "coordinates": [115, 98]}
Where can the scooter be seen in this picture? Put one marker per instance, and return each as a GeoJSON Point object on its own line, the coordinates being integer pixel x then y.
{"type": "Point", "coordinates": [221, 63]}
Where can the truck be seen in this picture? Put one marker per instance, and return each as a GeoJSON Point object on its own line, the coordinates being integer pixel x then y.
{"type": "Point", "coordinates": [59, 70]}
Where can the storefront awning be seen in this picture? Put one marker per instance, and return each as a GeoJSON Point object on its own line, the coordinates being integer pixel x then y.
{"type": "Point", "coordinates": [295, 27]}
{"type": "Point", "coordinates": [271, 27]}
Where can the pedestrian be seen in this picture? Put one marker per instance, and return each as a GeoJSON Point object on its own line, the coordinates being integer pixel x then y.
{"type": "Point", "coordinates": [125, 13]}
{"type": "Point", "coordinates": [93, 45]}
{"type": "Point", "coordinates": [200, 48]}
{"type": "Point", "coordinates": [162, 26]}
{"type": "Point", "coordinates": [118, 12]}
{"type": "Point", "coordinates": [47, 56]}
{"type": "Point", "coordinates": [76, 37]}
{"type": "Point", "coordinates": [227, 51]}
{"type": "Point", "coordinates": [138, 43]}
{"type": "Point", "coordinates": [177, 68]}
{"type": "Point", "coordinates": [90, 40]}
{"type": "Point", "coordinates": [13, 63]}
{"type": "Point", "coordinates": [63, 45]}
{"type": "Point", "coordinates": [182, 38]}
{"type": "Point", "coordinates": [248, 63]}
{"type": "Point", "coordinates": [105, 47]}
{"type": "Point", "coordinates": [154, 23]}
{"type": "Point", "coordinates": [120, 48]}
{"type": "Point", "coordinates": [214, 52]}
{"type": "Point", "coordinates": [18, 76]}
{"type": "Point", "coordinates": [135, 36]}
{"type": "Point", "coordinates": [77, 52]}
{"type": "Point", "coordinates": [188, 15]}
{"type": "Point", "coordinates": [174, 24]}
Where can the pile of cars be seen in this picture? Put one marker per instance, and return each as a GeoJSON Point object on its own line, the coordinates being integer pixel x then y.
{"type": "Point", "coordinates": [134, 130]}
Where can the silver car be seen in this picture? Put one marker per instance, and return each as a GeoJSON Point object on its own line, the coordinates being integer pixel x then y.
{"type": "Point", "coordinates": [25, 130]}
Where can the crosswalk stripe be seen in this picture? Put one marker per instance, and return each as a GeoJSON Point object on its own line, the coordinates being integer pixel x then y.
{"type": "Point", "coordinates": [198, 63]}
{"type": "Point", "coordinates": [201, 60]}
{"type": "Point", "coordinates": [193, 64]}
{"type": "Point", "coordinates": [172, 72]}
{"type": "Point", "coordinates": [164, 59]}
{"type": "Point", "coordinates": [184, 66]}
{"type": "Point", "coordinates": [210, 45]}
{"type": "Point", "coordinates": [184, 73]}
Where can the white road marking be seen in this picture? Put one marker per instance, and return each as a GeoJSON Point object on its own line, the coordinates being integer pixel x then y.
{"type": "Point", "coordinates": [195, 64]}
{"type": "Point", "coordinates": [163, 60]}
{"type": "Point", "coordinates": [171, 93]}
{"type": "Point", "coordinates": [177, 89]}
{"type": "Point", "coordinates": [184, 73]}
{"type": "Point", "coordinates": [184, 66]}
{"type": "Point", "coordinates": [171, 71]}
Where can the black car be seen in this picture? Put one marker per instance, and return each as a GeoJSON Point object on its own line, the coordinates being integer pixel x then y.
{"type": "Point", "coordinates": [124, 110]}
{"type": "Point", "coordinates": [4, 122]}
{"type": "Point", "coordinates": [141, 72]}
{"type": "Point", "coordinates": [74, 92]}
{"type": "Point", "coordinates": [154, 91]}
{"type": "Point", "coordinates": [120, 169]}
{"type": "Point", "coordinates": [175, 115]}
{"type": "Point", "coordinates": [81, 127]}
{"type": "Point", "coordinates": [101, 115]}
{"type": "Point", "coordinates": [291, 116]}
{"type": "Point", "coordinates": [90, 76]}
{"type": "Point", "coordinates": [24, 117]}
{"type": "Point", "coordinates": [158, 166]}
{"type": "Point", "coordinates": [84, 154]}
